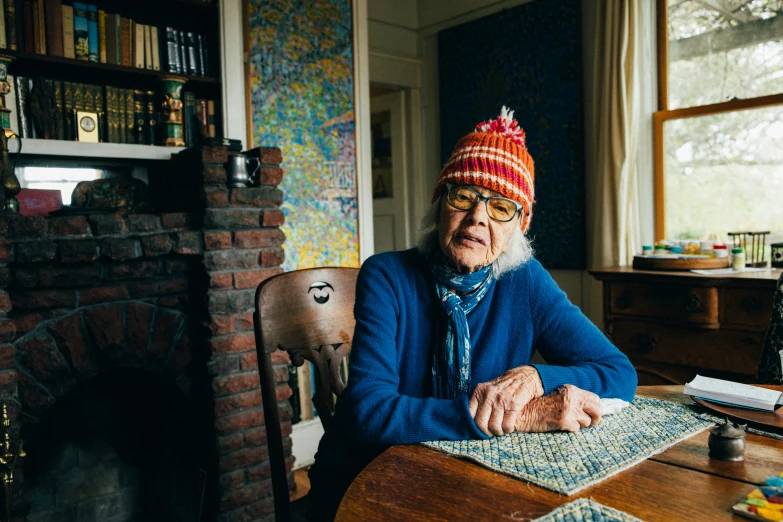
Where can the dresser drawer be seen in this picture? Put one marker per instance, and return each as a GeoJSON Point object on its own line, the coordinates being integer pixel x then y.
{"type": "Point", "coordinates": [720, 350]}
{"type": "Point", "coordinates": [750, 307]}
{"type": "Point", "coordinates": [680, 303]}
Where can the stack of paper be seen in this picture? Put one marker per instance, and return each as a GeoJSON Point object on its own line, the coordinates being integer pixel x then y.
{"type": "Point", "coordinates": [734, 394]}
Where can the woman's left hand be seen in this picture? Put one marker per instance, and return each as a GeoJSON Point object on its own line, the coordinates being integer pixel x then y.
{"type": "Point", "coordinates": [495, 405]}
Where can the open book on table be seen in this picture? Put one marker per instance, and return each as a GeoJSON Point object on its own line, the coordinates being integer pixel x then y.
{"type": "Point", "coordinates": [734, 394]}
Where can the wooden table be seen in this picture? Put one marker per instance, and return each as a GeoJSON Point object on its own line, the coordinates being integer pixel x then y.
{"type": "Point", "coordinates": [682, 483]}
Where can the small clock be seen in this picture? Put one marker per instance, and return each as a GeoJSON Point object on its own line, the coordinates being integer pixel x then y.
{"type": "Point", "coordinates": [87, 126]}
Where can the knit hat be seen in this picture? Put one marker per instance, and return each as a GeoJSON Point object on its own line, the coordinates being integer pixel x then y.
{"type": "Point", "coordinates": [493, 156]}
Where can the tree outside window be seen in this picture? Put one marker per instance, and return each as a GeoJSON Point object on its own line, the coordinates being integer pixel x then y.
{"type": "Point", "coordinates": [719, 128]}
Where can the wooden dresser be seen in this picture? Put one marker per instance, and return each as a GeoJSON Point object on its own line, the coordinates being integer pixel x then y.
{"type": "Point", "coordinates": [673, 325]}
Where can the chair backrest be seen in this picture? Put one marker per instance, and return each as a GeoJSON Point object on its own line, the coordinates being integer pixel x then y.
{"type": "Point", "coordinates": [309, 314]}
{"type": "Point", "coordinates": [770, 365]}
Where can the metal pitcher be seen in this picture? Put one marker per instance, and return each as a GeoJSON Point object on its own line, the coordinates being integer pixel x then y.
{"type": "Point", "coordinates": [241, 170]}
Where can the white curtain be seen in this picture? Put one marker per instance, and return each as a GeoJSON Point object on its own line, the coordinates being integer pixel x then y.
{"type": "Point", "coordinates": [618, 126]}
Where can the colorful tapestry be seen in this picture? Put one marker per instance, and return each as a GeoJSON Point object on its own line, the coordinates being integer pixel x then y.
{"type": "Point", "coordinates": [302, 100]}
{"type": "Point", "coordinates": [586, 510]}
{"type": "Point", "coordinates": [568, 462]}
{"type": "Point", "coordinates": [529, 59]}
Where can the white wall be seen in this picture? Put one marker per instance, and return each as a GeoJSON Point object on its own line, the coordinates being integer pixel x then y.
{"type": "Point", "coordinates": [393, 27]}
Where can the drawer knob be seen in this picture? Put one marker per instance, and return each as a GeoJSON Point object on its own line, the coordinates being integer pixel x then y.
{"type": "Point", "coordinates": [643, 342]}
{"type": "Point", "coordinates": [694, 304]}
{"type": "Point", "coordinates": [625, 300]}
{"type": "Point", "coordinates": [750, 304]}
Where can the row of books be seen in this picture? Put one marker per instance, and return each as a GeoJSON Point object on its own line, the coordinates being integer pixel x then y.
{"type": "Point", "coordinates": [45, 109]}
{"type": "Point", "coordinates": [84, 32]}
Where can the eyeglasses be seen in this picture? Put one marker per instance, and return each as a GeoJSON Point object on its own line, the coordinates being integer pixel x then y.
{"type": "Point", "coordinates": [465, 198]}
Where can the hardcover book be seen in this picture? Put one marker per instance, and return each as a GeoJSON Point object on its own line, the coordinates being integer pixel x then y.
{"type": "Point", "coordinates": [36, 25]}
{"type": "Point", "coordinates": [22, 94]}
{"type": "Point", "coordinates": [154, 32]}
{"type": "Point", "coordinates": [28, 25]}
{"type": "Point", "coordinates": [54, 27]}
{"type": "Point", "coordinates": [147, 47]}
{"type": "Point", "coordinates": [68, 43]}
{"type": "Point", "coordinates": [126, 52]}
{"type": "Point", "coordinates": [182, 48]}
{"type": "Point", "coordinates": [121, 115]}
{"type": "Point", "coordinates": [152, 119]}
{"type": "Point", "coordinates": [130, 117]}
{"type": "Point", "coordinates": [10, 102]}
{"type": "Point", "coordinates": [81, 41]}
{"type": "Point", "coordinates": [189, 130]}
{"type": "Point", "coordinates": [111, 39]}
{"type": "Point", "coordinates": [140, 115]}
{"type": "Point", "coordinates": [92, 33]}
{"type": "Point", "coordinates": [172, 54]}
{"type": "Point", "coordinates": [192, 54]}
{"type": "Point", "coordinates": [138, 45]}
{"type": "Point", "coordinates": [3, 40]}
{"type": "Point", "coordinates": [100, 108]}
{"type": "Point", "coordinates": [68, 110]}
{"type": "Point", "coordinates": [57, 87]}
{"type": "Point", "coordinates": [102, 51]}
{"type": "Point", "coordinates": [41, 19]}
{"type": "Point", "coordinates": [10, 24]}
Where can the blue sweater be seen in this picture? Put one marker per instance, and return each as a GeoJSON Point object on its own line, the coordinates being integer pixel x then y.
{"type": "Point", "coordinates": [389, 395]}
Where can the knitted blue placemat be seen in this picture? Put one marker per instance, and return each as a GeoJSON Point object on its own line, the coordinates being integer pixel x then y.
{"type": "Point", "coordinates": [586, 510]}
{"type": "Point", "coordinates": [568, 462]}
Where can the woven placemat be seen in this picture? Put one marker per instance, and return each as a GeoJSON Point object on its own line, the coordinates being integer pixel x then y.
{"type": "Point", "coordinates": [586, 510]}
{"type": "Point", "coordinates": [568, 462]}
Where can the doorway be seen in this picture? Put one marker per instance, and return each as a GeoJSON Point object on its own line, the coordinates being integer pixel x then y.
{"type": "Point", "coordinates": [390, 157]}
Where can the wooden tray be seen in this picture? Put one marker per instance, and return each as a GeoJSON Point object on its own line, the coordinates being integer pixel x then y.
{"type": "Point", "coordinates": [688, 263]}
{"type": "Point", "coordinates": [772, 419]}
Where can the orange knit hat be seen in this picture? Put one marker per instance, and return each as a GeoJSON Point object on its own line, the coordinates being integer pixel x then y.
{"type": "Point", "coordinates": [493, 156]}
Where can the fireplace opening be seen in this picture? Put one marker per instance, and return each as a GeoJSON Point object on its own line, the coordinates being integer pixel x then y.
{"type": "Point", "coordinates": [125, 446]}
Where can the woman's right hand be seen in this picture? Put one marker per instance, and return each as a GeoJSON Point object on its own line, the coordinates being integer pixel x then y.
{"type": "Point", "coordinates": [566, 409]}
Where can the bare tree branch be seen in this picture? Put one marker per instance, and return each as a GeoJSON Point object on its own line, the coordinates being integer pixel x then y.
{"type": "Point", "coordinates": [723, 40]}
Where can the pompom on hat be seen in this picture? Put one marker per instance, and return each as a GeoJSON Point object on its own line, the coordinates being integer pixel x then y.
{"type": "Point", "coordinates": [493, 156]}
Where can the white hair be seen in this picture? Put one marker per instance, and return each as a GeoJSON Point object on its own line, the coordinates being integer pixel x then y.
{"type": "Point", "coordinates": [518, 250]}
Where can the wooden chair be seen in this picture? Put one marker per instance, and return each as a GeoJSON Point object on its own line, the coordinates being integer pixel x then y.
{"type": "Point", "coordinates": [309, 314]}
{"type": "Point", "coordinates": [770, 371]}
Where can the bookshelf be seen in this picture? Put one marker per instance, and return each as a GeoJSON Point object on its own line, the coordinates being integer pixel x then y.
{"type": "Point", "coordinates": [199, 65]}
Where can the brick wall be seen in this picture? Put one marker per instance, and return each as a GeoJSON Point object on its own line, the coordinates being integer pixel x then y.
{"type": "Point", "coordinates": [83, 294]}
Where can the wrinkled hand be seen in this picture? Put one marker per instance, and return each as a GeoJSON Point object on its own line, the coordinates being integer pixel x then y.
{"type": "Point", "coordinates": [566, 409]}
{"type": "Point", "coordinates": [496, 405]}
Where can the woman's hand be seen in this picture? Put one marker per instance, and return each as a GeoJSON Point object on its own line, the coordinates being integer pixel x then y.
{"type": "Point", "coordinates": [496, 405]}
{"type": "Point", "coordinates": [566, 409]}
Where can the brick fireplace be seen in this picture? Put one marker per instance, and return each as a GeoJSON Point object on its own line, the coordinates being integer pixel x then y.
{"type": "Point", "coordinates": [128, 356]}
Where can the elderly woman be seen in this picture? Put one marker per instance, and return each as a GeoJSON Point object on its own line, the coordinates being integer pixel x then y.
{"type": "Point", "coordinates": [445, 333]}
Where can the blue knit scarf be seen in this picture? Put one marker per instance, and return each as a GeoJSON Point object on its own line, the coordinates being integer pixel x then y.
{"type": "Point", "coordinates": [451, 360]}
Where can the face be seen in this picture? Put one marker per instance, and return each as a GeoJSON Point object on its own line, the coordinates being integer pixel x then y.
{"type": "Point", "coordinates": [469, 239]}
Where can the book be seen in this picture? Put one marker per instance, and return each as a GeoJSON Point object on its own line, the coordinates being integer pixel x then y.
{"type": "Point", "coordinates": [28, 26]}
{"type": "Point", "coordinates": [41, 26]}
{"type": "Point", "coordinates": [172, 55]}
{"type": "Point", "coordinates": [182, 50]}
{"type": "Point", "coordinates": [733, 393]}
{"type": "Point", "coordinates": [117, 40]}
{"type": "Point", "coordinates": [10, 24]}
{"type": "Point", "coordinates": [102, 51]}
{"type": "Point", "coordinates": [67, 17]}
{"type": "Point", "coordinates": [100, 108]}
{"type": "Point", "coordinates": [68, 110]}
{"type": "Point", "coordinates": [205, 58]}
{"type": "Point", "coordinates": [212, 133]}
{"type": "Point", "coordinates": [88, 98]}
{"type": "Point", "coordinates": [152, 119]}
{"type": "Point", "coordinates": [33, 132]}
{"type": "Point", "coordinates": [140, 117]}
{"type": "Point", "coordinates": [154, 31]}
{"type": "Point", "coordinates": [111, 39]}
{"type": "Point", "coordinates": [36, 26]}
{"type": "Point", "coordinates": [10, 102]}
{"type": "Point", "coordinates": [57, 87]}
{"type": "Point", "coordinates": [138, 45]}
{"type": "Point", "coordinates": [192, 54]}
{"type": "Point", "coordinates": [147, 47]}
{"type": "Point", "coordinates": [121, 115]}
{"type": "Point", "coordinates": [111, 114]}
{"type": "Point", "coordinates": [202, 66]}
{"type": "Point", "coordinates": [22, 94]}
{"type": "Point", "coordinates": [126, 52]}
{"type": "Point", "coordinates": [189, 130]}
{"type": "Point", "coordinates": [92, 33]}
{"type": "Point", "coordinates": [81, 43]}
{"type": "Point", "coordinates": [203, 119]}
{"type": "Point", "coordinates": [130, 116]}
{"type": "Point", "coordinates": [3, 39]}
{"type": "Point", "coordinates": [54, 27]}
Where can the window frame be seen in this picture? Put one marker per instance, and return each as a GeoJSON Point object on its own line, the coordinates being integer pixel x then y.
{"type": "Point", "coordinates": [664, 114]}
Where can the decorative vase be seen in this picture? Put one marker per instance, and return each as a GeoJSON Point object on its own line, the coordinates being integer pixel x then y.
{"type": "Point", "coordinates": [172, 108]}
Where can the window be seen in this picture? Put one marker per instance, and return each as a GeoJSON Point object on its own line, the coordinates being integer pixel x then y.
{"type": "Point", "coordinates": [719, 127]}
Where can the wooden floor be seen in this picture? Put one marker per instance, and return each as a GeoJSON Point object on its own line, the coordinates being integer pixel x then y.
{"type": "Point", "coordinates": [302, 484]}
